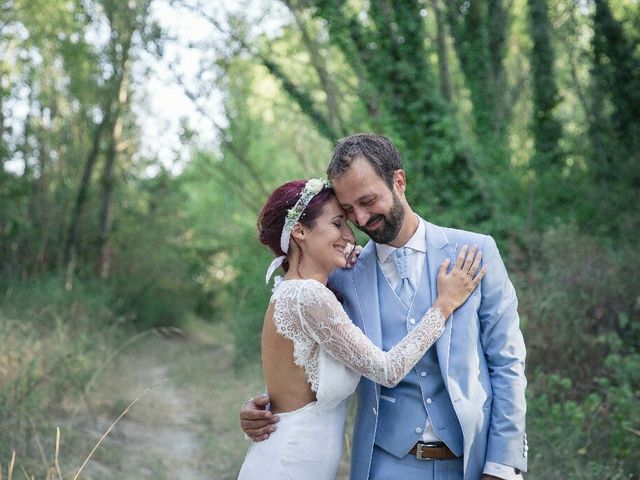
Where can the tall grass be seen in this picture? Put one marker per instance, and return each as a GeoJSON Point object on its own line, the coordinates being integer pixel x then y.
{"type": "Point", "coordinates": [51, 343]}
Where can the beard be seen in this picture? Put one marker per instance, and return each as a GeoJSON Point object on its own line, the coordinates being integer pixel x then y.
{"type": "Point", "coordinates": [390, 226]}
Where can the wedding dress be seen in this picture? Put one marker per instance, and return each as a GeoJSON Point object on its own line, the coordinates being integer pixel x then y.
{"type": "Point", "coordinates": [307, 443]}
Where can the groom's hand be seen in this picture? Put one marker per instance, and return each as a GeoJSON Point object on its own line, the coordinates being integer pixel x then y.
{"type": "Point", "coordinates": [255, 420]}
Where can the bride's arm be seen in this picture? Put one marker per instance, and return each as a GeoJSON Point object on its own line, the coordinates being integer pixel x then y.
{"type": "Point", "coordinates": [328, 324]}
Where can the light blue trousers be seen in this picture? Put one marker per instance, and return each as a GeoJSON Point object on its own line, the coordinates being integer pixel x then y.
{"type": "Point", "coordinates": [385, 466]}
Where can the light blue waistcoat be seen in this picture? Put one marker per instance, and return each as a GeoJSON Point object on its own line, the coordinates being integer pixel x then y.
{"type": "Point", "coordinates": [422, 392]}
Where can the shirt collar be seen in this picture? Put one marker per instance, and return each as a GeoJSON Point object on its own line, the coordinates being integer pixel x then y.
{"type": "Point", "coordinates": [417, 242]}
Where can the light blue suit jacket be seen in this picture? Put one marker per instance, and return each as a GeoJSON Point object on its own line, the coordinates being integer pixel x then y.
{"type": "Point", "coordinates": [481, 355]}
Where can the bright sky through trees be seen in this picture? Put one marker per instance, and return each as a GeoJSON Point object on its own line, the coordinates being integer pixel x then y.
{"type": "Point", "coordinates": [162, 106]}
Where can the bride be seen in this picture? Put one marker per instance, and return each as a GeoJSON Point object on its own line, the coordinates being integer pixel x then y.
{"type": "Point", "coordinates": [312, 355]}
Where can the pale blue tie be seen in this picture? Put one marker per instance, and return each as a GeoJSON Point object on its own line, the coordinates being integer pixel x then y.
{"type": "Point", "coordinates": [401, 258]}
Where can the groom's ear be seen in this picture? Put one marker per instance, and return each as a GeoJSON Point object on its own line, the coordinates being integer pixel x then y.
{"type": "Point", "coordinates": [399, 181]}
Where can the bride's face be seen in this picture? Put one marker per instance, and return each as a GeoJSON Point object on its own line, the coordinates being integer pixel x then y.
{"type": "Point", "coordinates": [325, 243]}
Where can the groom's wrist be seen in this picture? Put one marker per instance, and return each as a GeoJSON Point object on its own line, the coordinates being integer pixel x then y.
{"type": "Point", "coordinates": [499, 471]}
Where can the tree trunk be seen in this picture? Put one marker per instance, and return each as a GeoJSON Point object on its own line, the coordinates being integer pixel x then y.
{"type": "Point", "coordinates": [443, 55]}
{"type": "Point", "coordinates": [108, 177]}
{"type": "Point", "coordinates": [40, 207]}
{"type": "Point", "coordinates": [71, 244]}
{"type": "Point", "coordinates": [619, 71]}
{"type": "Point", "coordinates": [3, 147]}
{"type": "Point", "coordinates": [547, 130]}
{"type": "Point", "coordinates": [615, 124]}
{"type": "Point", "coordinates": [479, 31]}
{"type": "Point", "coordinates": [20, 247]}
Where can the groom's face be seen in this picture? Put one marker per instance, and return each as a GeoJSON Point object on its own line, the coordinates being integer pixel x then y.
{"type": "Point", "coordinates": [369, 203]}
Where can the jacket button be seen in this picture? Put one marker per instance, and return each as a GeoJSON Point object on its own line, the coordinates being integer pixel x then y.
{"type": "Point", "coordinates": [418, 430]}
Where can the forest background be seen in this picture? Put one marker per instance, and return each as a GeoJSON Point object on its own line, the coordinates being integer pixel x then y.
{"type": "Point", "coordinates": [515, 118]}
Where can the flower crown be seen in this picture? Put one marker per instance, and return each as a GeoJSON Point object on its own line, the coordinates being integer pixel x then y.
{"type": "Point", "coordinates": [312, 188]}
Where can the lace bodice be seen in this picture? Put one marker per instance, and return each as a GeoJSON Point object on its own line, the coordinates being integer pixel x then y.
{"type": "Point", "coordinates": [308, 313]}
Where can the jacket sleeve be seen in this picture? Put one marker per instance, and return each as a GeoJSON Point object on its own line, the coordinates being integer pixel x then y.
{"type": "Point", "coordinates": [505, 353]}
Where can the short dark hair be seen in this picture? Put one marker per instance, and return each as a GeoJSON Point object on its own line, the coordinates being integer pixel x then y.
{"type": "Point", "coordinates": [379, 151]}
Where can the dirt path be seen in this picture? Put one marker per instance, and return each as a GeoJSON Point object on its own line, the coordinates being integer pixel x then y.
{"type": "Point", "coordinates": [171, 443]}
{"type": "Point", "coordinates": [185, 428]}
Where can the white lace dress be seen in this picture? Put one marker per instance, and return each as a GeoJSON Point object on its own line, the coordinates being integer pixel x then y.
{"type": "Point", "coordinates": [334, 353]}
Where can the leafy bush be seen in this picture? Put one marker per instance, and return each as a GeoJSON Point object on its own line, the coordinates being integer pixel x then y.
{"type": "Point", "coordinates": [590, 437]}
{"type": "Point", "coordinates": [152, 276]}
{"type": "Point", "coordinates": [578, 299]}
{"type": "Point", "coordinates": [250, 298]}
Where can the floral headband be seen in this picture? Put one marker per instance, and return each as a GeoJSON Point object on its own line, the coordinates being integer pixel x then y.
{"type": "Point", "coordinates": [312, 188]}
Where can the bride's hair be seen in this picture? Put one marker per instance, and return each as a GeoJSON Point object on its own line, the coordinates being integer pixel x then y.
{"type": "Point", "coordinates": [274, 212]}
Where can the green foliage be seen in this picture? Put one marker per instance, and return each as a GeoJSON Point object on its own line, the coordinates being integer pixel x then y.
{"type": "Point", "coordinates": [154, 270]}
{"type": "Point", "coordinates": [572, 299]}
{"type": "Point", "coordinates": [578, 303]}
{"type": "Point", "coordinates": [385, 47]}
{"type": "Point", "coordinates": [252, 297]}
{"type": "Point", "coordinates": [617, 67]}
{"type": "Point", "coordinates": [588, 435]}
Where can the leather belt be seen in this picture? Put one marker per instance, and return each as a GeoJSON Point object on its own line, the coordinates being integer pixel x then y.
{"type": "Point", "coordinates": [432, 451]}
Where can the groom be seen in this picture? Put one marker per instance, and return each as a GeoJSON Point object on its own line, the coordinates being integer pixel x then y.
{"type": "Point", "coordinates": [460, 413]}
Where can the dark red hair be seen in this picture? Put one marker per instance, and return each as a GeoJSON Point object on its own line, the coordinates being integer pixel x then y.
{"type": "Point", "coordinates": [274, 212]}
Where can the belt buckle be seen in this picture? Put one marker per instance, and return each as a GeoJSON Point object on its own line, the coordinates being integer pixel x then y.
{"type": "Point", "coordinates": [419, 447]}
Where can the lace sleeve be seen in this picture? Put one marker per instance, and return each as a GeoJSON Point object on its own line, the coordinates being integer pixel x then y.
{"type": "Point", "coordinates": [327, 323]}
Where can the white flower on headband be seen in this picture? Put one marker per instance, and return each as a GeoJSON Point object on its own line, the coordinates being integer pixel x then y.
{"type": "Point", "coordinates": [315, 185]}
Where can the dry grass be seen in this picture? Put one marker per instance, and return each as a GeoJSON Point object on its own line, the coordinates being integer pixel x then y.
{"type": "Point", "coordinates": [44, 367]}
{"type": "Point", "coordinates": [124, 412]}
{"type": "Point", "coordinates": [54, 472]}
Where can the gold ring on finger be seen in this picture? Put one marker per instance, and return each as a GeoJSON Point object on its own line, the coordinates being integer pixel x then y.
{"type": "Point", "coordinates": [470, 274]}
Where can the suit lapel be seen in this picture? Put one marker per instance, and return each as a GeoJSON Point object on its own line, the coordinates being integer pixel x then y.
{"type": "Point", "coordinates": [365, 286]}
{"type": "Point", "coordinates": [439, 249]}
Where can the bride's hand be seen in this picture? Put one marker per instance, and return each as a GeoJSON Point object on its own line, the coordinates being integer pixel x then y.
{"type": "Point", "coordinates": [455, 287]}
